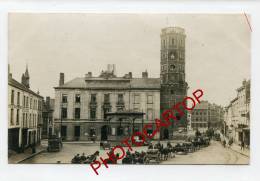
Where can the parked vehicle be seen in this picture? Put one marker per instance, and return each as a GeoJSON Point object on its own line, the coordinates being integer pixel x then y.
{"type": "Point", "coordinates": [54, 144]}
{"type": "Point", "coordinates": [153, 154]}
{"type": "Point", "coordinates": [181, 149]}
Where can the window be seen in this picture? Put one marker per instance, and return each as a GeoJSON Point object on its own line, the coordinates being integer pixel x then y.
{"type": "Point", "coordinates": [92, 132]}
{"type": "Point", "coordinates": [93, 98]}
{"type": "Point", "coordinates": [120, 131]}
{"type": "Point", "coordinates": [172, 67]}
{"type": "Point", "coordinates": [23, 120]}
{"type": "Point", "coordinates": [64, 112]}
{"type": "Point", "coordinates": [17, 117]}
{"type": "Point", "coordinates": [77, 113]}
{"type": "Point", "coordinates": [27, 102]}
{"type": "Point", "coordinates": [113, 132]}
{"type": "Point", "coordinates": [149, 99]}
{"type": "Point", "coordinates": [120, 98]}
{"type": "Point", "coordinates": [12, 97]}
{"type": "Point", "coordinates": [24, 102]}
{"type": "Point", "coordinates": [172, 41]}
{"type": "Point", "coordinates": [26, 119]}
{"type": "Point", "coordinates": [18, 98]}
{"type": "Point", "coordinates": [36, 104]}
{"type": "Point", "coordinates": [106, 97]}
{"type": "Point", "coordinates": [64, 98]}
{"type": "Point", "coordinates": [77, 98]}
{"type": "Point", "coordinates": [93, 114]}
{"type": "Point", "coordinates": [150, 114]}
{"type": "Point", "coordinates": [30, 120]}
{"type": "Point", "coordinates": [30, 103]}
{"type": "Point", "coordinates": [63, 131]}
{"type": "Point", "coordinates": [12, 117]}
{"type": "Point", "coordinates": [136, 99]}
{"type": "Point", "coordinates": [40, 105]}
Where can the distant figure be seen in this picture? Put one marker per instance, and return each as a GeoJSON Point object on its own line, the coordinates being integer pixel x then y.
{"type": "Point", "coordinates": [242, 145]}
{"type": "Point", "coordinates": [224, 143]}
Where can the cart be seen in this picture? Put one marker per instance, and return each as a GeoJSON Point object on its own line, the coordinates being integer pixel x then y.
{"type": "Point", "coordinates": [54, 144]}
{"type": "Point", "coordinates": [153, 154]}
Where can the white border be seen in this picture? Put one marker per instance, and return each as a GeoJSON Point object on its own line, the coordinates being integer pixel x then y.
{"type": "Point", "coordinates": [183, 172]}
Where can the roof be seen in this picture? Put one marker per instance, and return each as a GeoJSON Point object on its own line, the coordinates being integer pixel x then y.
{"type": "Point", "coordinates": [18, 85]}
{"type": "Point", "coordinates": [112, 83]}
{"type": "Point", "coordinates": [202, 105]}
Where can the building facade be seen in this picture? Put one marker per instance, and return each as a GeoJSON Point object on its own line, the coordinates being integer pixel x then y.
{"type": "Point", "coordinates": [206, 115]}
{"type": "Point", "coordinates": [173, 84]}
{"type": "Point", "coordinates": [47, 117]}
{"type": "Point", "coordinates": [237, 115]}
{"type": "Point", "coordinates": [25, 114]}
{"type": "Point", "coordinates": [82, 105]}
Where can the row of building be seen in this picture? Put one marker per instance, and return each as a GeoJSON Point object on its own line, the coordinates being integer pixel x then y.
{"type": "Point", "coordinates": [237, 116]}
{"type": "Point", "coordinates": [29, 114]}
{"type": "Point", "coordinates": [206, 116]}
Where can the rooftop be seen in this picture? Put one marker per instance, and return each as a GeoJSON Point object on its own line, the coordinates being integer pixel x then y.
{"type": "Point", "coordinates": [112, 83]}
{"type": "Point", "coordinates": [18, 85]}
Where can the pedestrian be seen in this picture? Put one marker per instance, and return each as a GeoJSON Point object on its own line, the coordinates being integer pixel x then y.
{"type": "Point", "coordinates": [242, 145]}
{"type": "Point", "coordinates": [224, 143]}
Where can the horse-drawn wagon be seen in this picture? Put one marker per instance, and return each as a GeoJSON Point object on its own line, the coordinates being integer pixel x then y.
{"type": "Point", "coordinates": [153, 154]}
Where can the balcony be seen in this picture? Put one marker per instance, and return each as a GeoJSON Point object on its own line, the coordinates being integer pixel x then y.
{"type": "Point", "coordinates": [107, 105]}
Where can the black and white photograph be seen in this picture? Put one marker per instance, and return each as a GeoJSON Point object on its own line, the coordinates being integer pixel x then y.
{"type": "Point", "coordinates": [139, 89]}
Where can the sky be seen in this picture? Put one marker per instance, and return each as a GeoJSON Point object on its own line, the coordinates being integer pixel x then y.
{"type": "Point", "coordinates": [217, 48]}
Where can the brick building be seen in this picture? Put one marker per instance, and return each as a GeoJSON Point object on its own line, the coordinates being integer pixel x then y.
{"type": "Point", "coordinates": [173, 84]}
{"type": "Point", "coordinates": [206, 115]}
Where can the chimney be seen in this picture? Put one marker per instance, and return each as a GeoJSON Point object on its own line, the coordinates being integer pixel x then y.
{"type": "Point", "coordinates": [9, 71]}
{"type": "Point", "coordinates": [145, 74]}
{"type": "Point", "coordinates": [61, 79]}
{"type": "Point", "coordinates": [130, 75]}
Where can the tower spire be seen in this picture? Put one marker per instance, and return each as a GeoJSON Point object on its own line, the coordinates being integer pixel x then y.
{"type": "Point", "coordinates": [26, 77]}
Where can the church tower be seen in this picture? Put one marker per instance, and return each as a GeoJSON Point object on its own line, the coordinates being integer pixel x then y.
{"type": "Point", "coordinates": [173, 84]}
{"type": "Point", "coordinates": [26, 78]}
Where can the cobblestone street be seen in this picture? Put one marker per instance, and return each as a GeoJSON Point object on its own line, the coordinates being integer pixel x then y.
{"type": "Point", "coordinates": [214, 154]}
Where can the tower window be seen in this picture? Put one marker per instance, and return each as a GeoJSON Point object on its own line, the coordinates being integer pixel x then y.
{"type": "Point", "coordinates": [172, 67]}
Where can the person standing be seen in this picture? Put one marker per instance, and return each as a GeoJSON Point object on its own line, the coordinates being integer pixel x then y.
{"type": "Point", "coordinates": [242, 145]}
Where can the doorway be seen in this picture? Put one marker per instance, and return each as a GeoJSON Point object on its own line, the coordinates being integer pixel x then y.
{"type": "Point", "coordinates": [77, 132]}
{"type": "Point", "coordinates": [104, 130]}
{"type": "Point", "coordinates": [166, 134]}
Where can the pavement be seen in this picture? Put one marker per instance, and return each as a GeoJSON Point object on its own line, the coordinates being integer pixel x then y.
{"type": "Point", "coordinates": [237, 148]}
{"type": "Point", "coordinates": [27, 154]}
{"type": "Point", "coordinates": [213, 154]}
